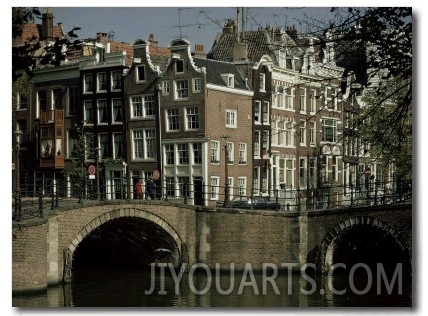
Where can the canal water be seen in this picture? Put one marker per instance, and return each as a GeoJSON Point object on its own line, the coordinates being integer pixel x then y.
{"type": "Point", "coordinates": [133, 288]}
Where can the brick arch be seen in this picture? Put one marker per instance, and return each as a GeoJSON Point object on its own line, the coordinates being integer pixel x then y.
{"type": "Point", "coordinates": [328, 243]}
{"type": "Point", "coordinates": [111, 215]}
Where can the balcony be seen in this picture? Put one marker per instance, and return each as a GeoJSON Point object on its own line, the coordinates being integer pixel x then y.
{"type": "Point", "coordinates": [52, 139]}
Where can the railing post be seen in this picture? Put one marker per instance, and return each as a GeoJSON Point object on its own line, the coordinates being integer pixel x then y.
{"type": "Point", "coordinates": [352, 195]}
{"type": "Point", "coordinates": [185, 192]}
{"type": "Point", "coordinates": [41, 203]}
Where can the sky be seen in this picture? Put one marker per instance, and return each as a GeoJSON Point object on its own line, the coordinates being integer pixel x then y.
{"type": "Point", "coordinates": [196, 24]}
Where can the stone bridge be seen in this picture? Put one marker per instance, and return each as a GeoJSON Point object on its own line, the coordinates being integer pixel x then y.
{"type": "Point", "coordinates": [45, 250]}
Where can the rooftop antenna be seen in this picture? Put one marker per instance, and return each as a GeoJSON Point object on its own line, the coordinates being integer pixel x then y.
{"type": "Point", "coordinates": [179, 20]}
{"type": "Point", "coordinates": [199, 24]}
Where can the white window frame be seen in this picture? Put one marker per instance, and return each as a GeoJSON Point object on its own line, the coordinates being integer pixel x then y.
{"type": "Point", "coordinates": [302, 100]}
{"type": "Point", "coordinates": [215, 152]}
{"type": "Point", "coordinates": [100, 82]}
{"type": "Point", "coordinates": [214, 187]}
{"type": "Point", "coordinates": [167, 149]}
{"type": "Point", "coordinates": [183, 158]}
{"type": "Point", "coordinates": [88, 89]}
{"type": "Point", "coordinates": [257, 143]}
{"type": "Point", "coordinates": [102, 101]}
{"type": "Point", "coordinates": [101, 145]}
{"type": "Point", "coordinates": [181, 92]}
{"type": "Point", "coordinates": [137, 73]}
{"type": "Point", "coordinates": [242, 147]}
{"type": "Point", "coordinates": [168, 119]}
{"type": "Point", "coordinates": [196, 85]}
{"type": "Point", "coordinates": [115, 150]}
{"type": "Point", "coordinates": [192, 118]}
{"type": "Point", "coordinates": [302, 134]}
{"type": "Point", "coordinates": [265, 113]}
{"type": "Point", "coordinates": [313, 133]}
{"type": "Point", "coordinates": [85, 119]}
{"type": "Point", "coordinates": [231, 118]}
{"type": "Point", "coordinates": [114, 106]}
{"type": "Point", "coordinates": [303, 165]}
{"type": "Point", "coordinates": [231, 152]}
{"type": "Point", "coordinates": [257, 112]}
{"type": "Point", "coordinates": [333, 127]}
{"type": "Point", "coordinates": [116, 75]}
{"type": "Point", "coordinates": [242, 186]}
{"type": "Point", "coordinates": [313, 106]}
{"type": "Point", "coordinates": [165, 87]}
{"type": "Point", "coordinates": [262, 79]}
{"type": "Point", "coordinates": [230, 183]}
{"type": "Point", "coordinates": [147, 139]}
{"type": "Point", "coordinates": [197, 153]}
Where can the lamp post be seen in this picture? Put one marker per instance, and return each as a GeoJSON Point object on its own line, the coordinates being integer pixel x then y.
{"type": "Point", "coordinates": [17, 182]}
{"type": "Point", "coordinates": [97, 171]}
{"type": "Point", "coordinates": [226, 173]}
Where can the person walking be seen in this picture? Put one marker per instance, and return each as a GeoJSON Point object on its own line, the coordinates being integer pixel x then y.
{"type": "Point", "coordinates": [151, 188]}
{"type": "Point", "coordinates": [139, 190]}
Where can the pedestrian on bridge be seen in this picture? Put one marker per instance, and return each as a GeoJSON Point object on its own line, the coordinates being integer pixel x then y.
{"type": "Point", "coordinates": [139, 190]}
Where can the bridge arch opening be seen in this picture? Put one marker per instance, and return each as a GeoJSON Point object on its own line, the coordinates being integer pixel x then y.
{"type": "Point", "coordinates": [118, 240]}
{"type": "Point", "coordinates": [367, 241]}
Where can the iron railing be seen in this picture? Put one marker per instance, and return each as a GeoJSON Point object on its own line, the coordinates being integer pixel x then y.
{"type": "Point", "coordinates": [41, 199]}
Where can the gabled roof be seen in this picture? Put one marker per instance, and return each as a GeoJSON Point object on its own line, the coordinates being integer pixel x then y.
{"type": "Point", "coordinates": [215, 69]}
{"type": "Point", "coordinates": [160, 56]}
{"type": "Point", "coordinates": [258, 45]}
{"type": "Point", "coordinates": [33, 32]}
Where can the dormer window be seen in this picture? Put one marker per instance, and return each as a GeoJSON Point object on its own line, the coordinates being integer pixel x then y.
{"type": "Point", "coordinates": [229, 80]}
{"type": "Point", "coordinates": [179, 66]}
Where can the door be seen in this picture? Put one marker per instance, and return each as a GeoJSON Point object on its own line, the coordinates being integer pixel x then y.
{"type": "Point", "coordinates": [198, 191]}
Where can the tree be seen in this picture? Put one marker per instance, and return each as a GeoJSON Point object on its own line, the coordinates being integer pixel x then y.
{"type": "Point", "coordinates": [27, 53]}
{"type": "Point", "coordinates": [375, 44]}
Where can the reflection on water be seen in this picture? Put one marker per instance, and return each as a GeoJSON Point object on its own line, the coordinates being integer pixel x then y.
{"type": "Point", "coordinates": [129, 288]}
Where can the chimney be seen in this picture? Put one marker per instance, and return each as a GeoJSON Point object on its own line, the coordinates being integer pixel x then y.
{"type": "Point", "coordinates": [199, 50]}
{"type": "Point", "coordinates": [102, 37]}
{"type": "Point", "coordinates": [47, 25]}
{"type": "Point", "coordinates": [229, 27]}
{"type": "Point", "coordinates": [240, 51]}
{"type": "Point", "coordinates": [152, 41]}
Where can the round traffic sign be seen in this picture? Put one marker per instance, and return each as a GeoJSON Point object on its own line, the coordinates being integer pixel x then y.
{"type": "Point", "coordinates": [91, 169]}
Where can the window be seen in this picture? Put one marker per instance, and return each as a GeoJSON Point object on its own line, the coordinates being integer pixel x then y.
{"type": "Point", "coordinates": [329, 130]}
{"type": "Point", "coordinates": [242, 186]}
{"type": "Point", "coordinates": [183, 186]}
{"type": "Point", "coordinates": [88, 115]}
{"type": "Point", "coordinates": [165, 87]}
{"type": "Point", "coordinates": [101, 81]}
{"type": "Point", "coordinates": [73, 100]}
{"type": "Point", "coordinates": [169, 184]}
{"type": "Point", "coordinates": [302, 172]}
{"type": "Point", "coordinates": [140, 73]}
{"type": "Point", "coordinates": [262, 82]}
{"type": "Point", "coordinates": [88, 83]}
{"type": "Point", "coordinates": [197, 153]}
{"type": "Point", "coordinates": [302, 99]}
{"type": "Point", "coordinates": [256, 143]}
{"type": "Point", "coordinates": [265, 112]}
{"type": "Point", "coordinates": [289, 172]}
{"type": "Point", "coordinates": [144, 141]}
{"type": "Point", "coordinates": [289, 95]}
{"type": "Point", "coordinates": [181, 89]}
{"type": "Point", "coordinates": [289, 137]}
{"type": "Point", "coordinates": [41, 101]}
{"type": "Point", "coordinates": [229, 80]}
{"type": "Point", "coordinates": [257, 112]}
{"type": "Point", "coordinates": [265, 142]}
{"type": "Point", "coordinates": [102, 112]}
{"type": "Point", "coordinates": [256, 180]}
{"type": "Point", "coordinates": [230, 184]}
{"type": "Point", "coordinates": [230, 152]}
{"type": "Point", "coordinates": [173, 120]}
{"type": "Point", "coordinates": [312, 172]}
{"type": "Point", "coordinates": [149, 105]}
{"type": "Point", "coordinates": [117, 111]}
{"type": "Point", "coordinates": [313, 101]}
{"type": "Point", "coordinates": [214, 182]}
{"type": "Point", "coordinates": [231, 118]}
{"type": "Point", "coordinates": [179, 66]}
{"type": "Point", "coordinates": [103, 145]}
{"type": "Point", "coordinates": [116, 80]}
{"type": "Point", "coordinates": [192, 118]}
{"type": "Point", "coordinates": [312, 133]}
{"type": "Point", "coordinates": [22, 101]}
{"type": "Point", "coordinates": [302, 133]}
{"type": "Point", "coordinates": [242, 153]}
{"type": "Point", "coordinates": [196, 84]}
{"type": "Point", "coordinates": [118, 145]}
{"type": "Point", "coordinates": [183, 154]}
{"type": "Point", "coordinates": [334, 168]}
{"type": "Point", "coordinates": [137, 106]}
{"type": "Point", "coordinates": [56, 98]}
{"type": "Point", "coordinates": [169, 154]}
{"type": "Point", "coordinates": [215, 151]}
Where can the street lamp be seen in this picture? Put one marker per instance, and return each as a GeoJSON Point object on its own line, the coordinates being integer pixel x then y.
{"type": "Point", "coordinates": [226, 173]}
{"type": "Point", "coordinates": [97, 156]}
{"type": "Point", "coordinates": [17, 182]}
